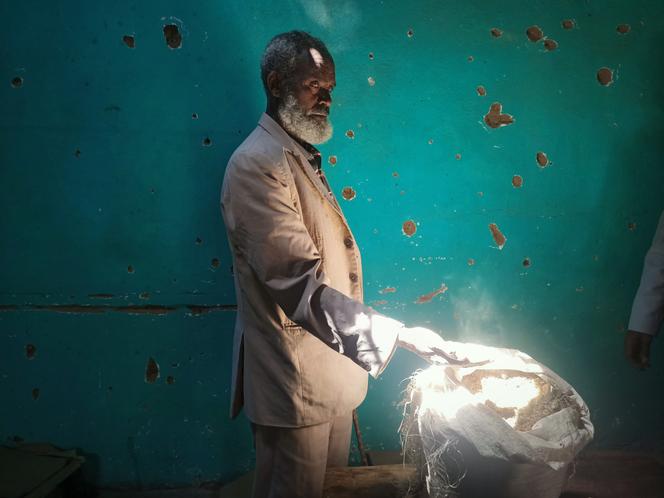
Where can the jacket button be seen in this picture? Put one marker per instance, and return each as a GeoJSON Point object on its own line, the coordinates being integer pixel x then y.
{"type": "Point", "coordinates": [353, 277]}
{"type": "Point", "coordinates": [348, 242]}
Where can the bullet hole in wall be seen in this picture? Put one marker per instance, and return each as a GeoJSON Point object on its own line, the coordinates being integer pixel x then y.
{"type": "Point", "coordinates": [395, 174]}
{"type": "Point", "coordinates": [542, 159]}
{"type": "Point", "coordinates": [410, 33]}
{"type": "Point", "coordinates": [129, 41]}
{"type": "Point", "coordinates": [371, 81]}
{"type": "Point", "coordinates": [30, 351]}
{"type": "Point", "coordinates": [631, 226]}
{"type": "Point", "coordinates": [194, 115]}
{"type": "Point", "coordinates": [17, 82]}
{"type": "Point", "coordinates": [517, 181]}
{"type": "Point", "coordinates": [173, 36]}
{"type": "Point", "coordinates": [605, 76]}
{"type": "Point", "coordinates": [457, 156]}
{"type": "Point", "coordinates": [481, 91]}
{"type": "Point", "coordinates": [371, 56]}
{"type": "Point", "coordinates": [332, 160]}
{"type": "Point", "coordinates": [348, 193]}
{"type": "Point", "coordinates": [207, 142]}
{"type": "Point", "coordinates": [430, 141]}
{"type": "Point", "coordinates": [428, 297]}
{"type": "Point", "coordinates": [215, 263]}
{"type": "Point", "coordinates": [409, 228]}
{"type": "Point", "coordinates": [623, 29]}
{"type": "Point", "coordinates": [526, 262]}
{"type": "Point", "coordinates": [77, 153]}
{"type": "Point", "coordinates": [496, 33]}
{"type": "Point", "coordinates": [198, 241]}
{"type": "Point", "coordinates": [130, 269]}
{"type": "Point", "coordinates": [151, 371]}
{"type": "Point", "coordinates": [495, 118]}
{"type": "Point", "coordinates": [534, 33]}
{"type": "Point", "coordinates": [470, 58]}
{"type": "Point", "coordinates": [550, 44]}
{"type": "Point", "coordinates": [471, 261]}
{"type": "Point", "coordinates": [170, 380]}
{"type": "Point", "coordinates": [568, 24]}
{"type": "Point", "coordinates": [350, 134]}
{"type": "Point", "coordinates": [498, 236]}
{"type": "Point", "coordinates": [35, 393]}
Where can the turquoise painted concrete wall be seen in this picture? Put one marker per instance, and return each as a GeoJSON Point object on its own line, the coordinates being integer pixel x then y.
{"type": "Point", "coordinates": [113, 250]}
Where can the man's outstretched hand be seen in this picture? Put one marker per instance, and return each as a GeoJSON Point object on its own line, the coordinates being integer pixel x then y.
{"type": "Point", "coordinates": [430, 346]}
{"type": "Point", "coordinates": [637, 349]}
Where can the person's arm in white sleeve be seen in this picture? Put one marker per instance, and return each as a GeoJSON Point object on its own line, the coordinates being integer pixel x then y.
{"type": "Point", "coordinates": [648, 307]}
{"type": "Point", "coordinates": [266, 228]}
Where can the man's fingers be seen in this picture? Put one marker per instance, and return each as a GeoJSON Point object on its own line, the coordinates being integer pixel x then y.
{"type": "Point", "coordinates": [644, 356]}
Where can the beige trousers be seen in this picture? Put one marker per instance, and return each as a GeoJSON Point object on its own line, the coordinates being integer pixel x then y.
{"type": "Point", "coordinates": [291, 462]}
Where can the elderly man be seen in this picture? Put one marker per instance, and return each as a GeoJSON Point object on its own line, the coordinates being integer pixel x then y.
{"type": "Point", "coordinates": [304, 342]}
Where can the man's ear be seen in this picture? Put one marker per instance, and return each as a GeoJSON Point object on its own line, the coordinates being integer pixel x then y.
{"type": "Point", "coordinates": [273, 84]}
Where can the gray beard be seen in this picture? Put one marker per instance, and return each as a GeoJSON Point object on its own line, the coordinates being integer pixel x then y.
{"type": "Point", "coordinates": [306, 128]}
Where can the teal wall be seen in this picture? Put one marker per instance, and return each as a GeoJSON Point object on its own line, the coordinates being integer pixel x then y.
{"type": "Point", "coordinates": [142, 192]}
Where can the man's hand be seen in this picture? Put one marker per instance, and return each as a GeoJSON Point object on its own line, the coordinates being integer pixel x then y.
{"type": "Point", "coordinates": [637, 349]}
{"type": "Point", "coordinates": [430, 346]}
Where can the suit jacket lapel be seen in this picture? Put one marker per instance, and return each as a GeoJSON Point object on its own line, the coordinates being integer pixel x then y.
{"type": "Point", "coordinates": [297, 152]}
{"type": "Point", "coordinates": [304, 164]}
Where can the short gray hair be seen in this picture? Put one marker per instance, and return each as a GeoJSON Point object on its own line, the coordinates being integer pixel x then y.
{"type": "Point", "coordinates": [283, 51]}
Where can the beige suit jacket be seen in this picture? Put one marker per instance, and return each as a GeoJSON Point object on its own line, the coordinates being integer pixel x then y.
{"type": "Point", "coordinates": [294, 363]}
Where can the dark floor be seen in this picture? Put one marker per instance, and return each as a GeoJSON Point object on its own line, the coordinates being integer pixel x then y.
{"type": "Point", "coordinates": [597, 474]}
{"type": "Point", "coordinates": [614, 474]}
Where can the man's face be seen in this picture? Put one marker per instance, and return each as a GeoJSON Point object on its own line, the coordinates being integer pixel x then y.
{"type": "Point", "coordinates": [305, 106]}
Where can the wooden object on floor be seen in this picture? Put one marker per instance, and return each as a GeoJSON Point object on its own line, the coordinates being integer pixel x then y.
{"type": "Point", "coordinates": [35, 470]}
{"type": "Point", "coordinates": [380, 481]}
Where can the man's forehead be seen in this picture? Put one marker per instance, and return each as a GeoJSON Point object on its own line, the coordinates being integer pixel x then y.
{"type": "Point", "coordinates": [313, 64]}
{"type": "Point", "coordinates": [316, 57]}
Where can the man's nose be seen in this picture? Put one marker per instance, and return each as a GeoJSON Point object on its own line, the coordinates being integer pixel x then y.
{"type": "Point", "coordinates": [324, 96]}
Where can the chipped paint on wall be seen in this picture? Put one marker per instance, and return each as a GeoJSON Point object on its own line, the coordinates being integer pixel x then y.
{"type": "Point", "coordinates": [426, 298]}
{"type": "Point", "coordinates": [496, 118]}
{"type": "Point", "coordinates": [151, 371]}
{"type": "Point", "coordinates": [497, 235]}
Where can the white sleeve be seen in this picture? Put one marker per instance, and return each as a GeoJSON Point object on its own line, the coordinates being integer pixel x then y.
{"type": "Point", "coordinates": [648, 308]}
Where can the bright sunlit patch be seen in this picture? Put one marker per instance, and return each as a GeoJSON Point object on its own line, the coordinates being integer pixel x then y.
{"type": "Point", "coordinates": [511, 392]}
{"type": "Point", "coordinates": [316, 56]}
{"type": "Point", "coordinates": [440, 394]}
{"type": "Point", "coordinates": [443, 392]}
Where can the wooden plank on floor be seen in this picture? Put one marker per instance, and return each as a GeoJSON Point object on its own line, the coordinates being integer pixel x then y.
{"type": "Point", "coordinates": [380, 481]}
